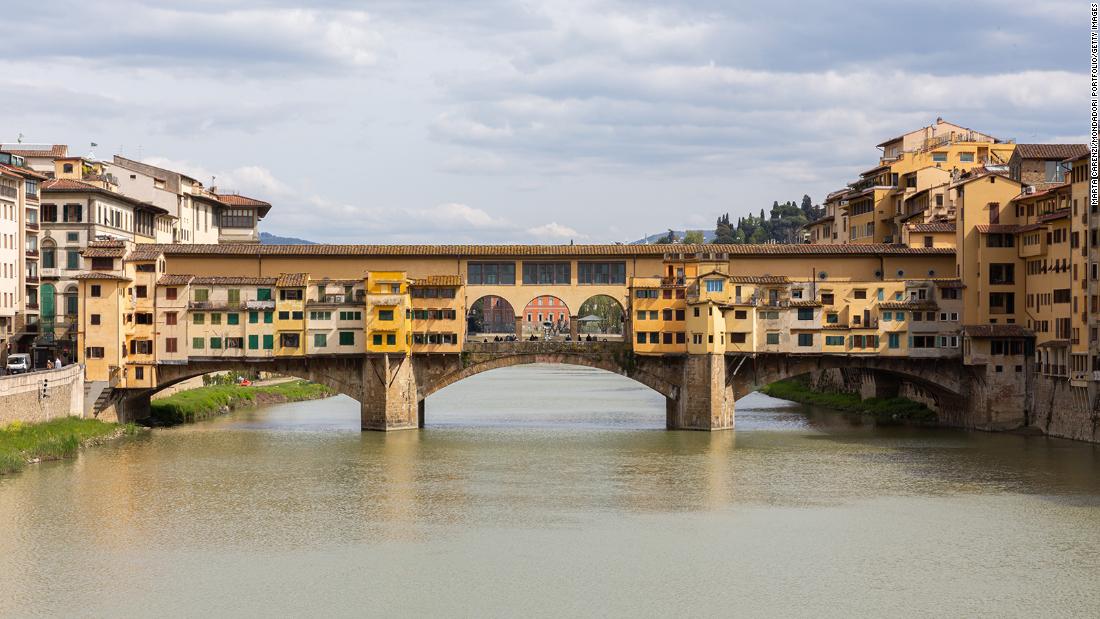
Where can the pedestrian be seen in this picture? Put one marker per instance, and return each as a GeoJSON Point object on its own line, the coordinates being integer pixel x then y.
{"type": "Point", "coordinates": [49, 364]}
{"type": "Point", "coordinates": [57, 363]}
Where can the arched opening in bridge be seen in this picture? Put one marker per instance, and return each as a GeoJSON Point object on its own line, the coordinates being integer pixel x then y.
{"type": "Point", "coordinates": [547, 395]}
{"type": "Point", "coordinates": [490, 316]}
{"type": "Point", "coordinates": [546, 317]}
{"type": "Point", "coordinates": [600, 316]}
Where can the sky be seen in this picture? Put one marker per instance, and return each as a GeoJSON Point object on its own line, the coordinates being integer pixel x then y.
{"type": "Point", "coordinates": [485, 121]}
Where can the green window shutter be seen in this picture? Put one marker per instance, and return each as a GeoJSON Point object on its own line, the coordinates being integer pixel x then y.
{"type": "Point", "coordinates": [232, 319]}
{"type": "Point", "coordinates": [347, 338]}
{"type": "Point", "coordinates": [215, 318]}
{"type": "Point", "coordinates": [391, 339]}
{"type": "Point", "coordinates": [269, 342]}
{"type": "Point", "coordinates": [267, 318]}
{"type": "Point", "coordinates": [253, 342]}
{"type": "Point", "coordinates": [234, 296]}
{"type": "Point", "coordinates": [377, 339]}
{"type": "Point", "coordinates": [202, 294]}
{"type": "Point", "coordinates": [198, 319]}
{"type": "Point", "coordinates": [197, 343]}
{"type": "Point", "coordinates": [253, 318]}
{"type": "Point", "coordinates": [263, 294]}
{"type": "Point", "coordinates": [320, 340]}
{"type": "Point", "coordinates": [215, 343]}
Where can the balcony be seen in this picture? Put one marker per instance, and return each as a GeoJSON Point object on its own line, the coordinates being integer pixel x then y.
{"type": "Point", "coordinates": [259, 305]}
{"type": "Point", "coordinates": [30, 225]}
{"type": "Point", "coordinates": [32, 253]}
{"type": "Point", "coordinates": [33, 307]}
{"type": "Point", "coordinates": [32, 279]}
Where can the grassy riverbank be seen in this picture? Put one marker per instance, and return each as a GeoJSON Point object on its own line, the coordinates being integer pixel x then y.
{"type": "Point", "coordinates": [22, 443]}
{"type": "Point", "coordinates": [205, 402]}
{"type": "Point", "coordinates": [883, 410]}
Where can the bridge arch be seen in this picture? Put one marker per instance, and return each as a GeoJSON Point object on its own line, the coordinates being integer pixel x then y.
{"type": "Point", "coordinates": [609, 314]}
{"type": "Point", "coordinates": [343, 376]}
{"type": "Point", "coordinates": [491, 314]}
{"type": "Point", "coordinates": [542, 309]}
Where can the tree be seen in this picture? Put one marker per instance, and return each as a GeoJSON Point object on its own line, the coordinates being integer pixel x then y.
{"type": "Point", "coordinates": [808, 207]}
{"type": "Point", "coordinates": [693, 237]}
{"type": "Point", "coordinates": [723, 231]}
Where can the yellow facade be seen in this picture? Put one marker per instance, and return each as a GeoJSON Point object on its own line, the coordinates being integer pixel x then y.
{"type": "Point", "coordinates": [388, 313]}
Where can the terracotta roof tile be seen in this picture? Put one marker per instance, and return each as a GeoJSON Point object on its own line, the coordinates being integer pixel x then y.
{"type": "Point", "coordinates": [220, 280]}
{"type": "Point", "coordinates": [908, 305]}
{"type": "Point", "coordinates": [805, 303]}
{"type": "Point", "coordinates": [935, 226]}
{"type": "Point", "coordinates": [759, 279]}
{"type": "Point", "coordinates": [1051, 151]}
{"type": "Point", "coordinates": [292, 280]}
{"type": "Point", "coordinates": [950, 282]}
{"type": "Point", "coordinates": [67, 184]}
{"type": "Point", "coordinates": [175, 280]}
{"type": "Point", "coordinates": [100, 275]}
{"type": "Point", "coordinates": [997, 228]}
{"type": "Point", "coordinates": [24, 172]}
{"type": "Point", "coordinates": [1059, 214]}
{"type": "Point", "coordinates": [774, 249]}
{"type": "Point", "coordinates": [144, 252]}
{"type": "Point", "coordinates": [55, 150]}
{"type": "Point", "coordinates": [103, 252]}
{"type": "Point", "coordinates": [234, 199]}
{"type": "Point", "coordinates": [981, 331]}
{"type": "Point", "coordinates": [438, 280]}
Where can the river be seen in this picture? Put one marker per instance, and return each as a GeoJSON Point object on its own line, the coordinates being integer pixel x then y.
{"type": "Point", "coordinates": [555, 490]}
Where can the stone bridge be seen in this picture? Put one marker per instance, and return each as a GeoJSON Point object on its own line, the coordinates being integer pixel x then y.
{"type": "Point", "coordinates": [700, 390]}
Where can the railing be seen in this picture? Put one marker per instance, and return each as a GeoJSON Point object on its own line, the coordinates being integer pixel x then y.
{"type": "Point", "coordinates": [30, 225]}
{"type": "Point", "coordinates": [259, 305]}
{"type": "Point", "coordinates": [32, 279]}
{"type": "Point", "coordinates": [32, 253]}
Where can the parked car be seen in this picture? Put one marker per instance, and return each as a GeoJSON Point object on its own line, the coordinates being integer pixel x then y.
{"type": "Point", "coordinates": [19, 363]}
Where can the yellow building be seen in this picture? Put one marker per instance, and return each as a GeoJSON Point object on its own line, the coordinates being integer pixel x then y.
{"type": "Point", "coordinates": [388, 313]}
{"type": "Point", "coordinates": [290, 320]}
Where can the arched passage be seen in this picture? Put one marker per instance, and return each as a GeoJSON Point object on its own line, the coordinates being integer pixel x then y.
{"type": "Point", "coordinates": [601, 316]}
{"type": "Point", "coordinates": [546, 316]}
{"type": "Point", "coordinates": [490, 315]}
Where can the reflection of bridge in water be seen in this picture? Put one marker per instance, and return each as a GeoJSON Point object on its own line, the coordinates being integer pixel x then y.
{"type": "Point", "coordinates": [700, 390]}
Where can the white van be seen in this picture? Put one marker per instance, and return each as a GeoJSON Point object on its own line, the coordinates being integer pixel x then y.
{"type": "Point", "coordinates": [19, 363]}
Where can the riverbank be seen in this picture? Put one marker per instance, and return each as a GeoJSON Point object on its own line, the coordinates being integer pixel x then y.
{"type": "Point", "coordinates": [205, 402]}
{"type": "Point", "coordinates": [25, 443]}
{"type": "Point", "coordinates": [882, 410]}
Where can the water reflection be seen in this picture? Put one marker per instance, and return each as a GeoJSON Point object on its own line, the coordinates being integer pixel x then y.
{"type": "Point", "coordinates": [564, 468]}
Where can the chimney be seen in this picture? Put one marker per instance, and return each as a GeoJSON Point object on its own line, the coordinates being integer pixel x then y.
{"type": "Point", "coordinates": [939, 120]}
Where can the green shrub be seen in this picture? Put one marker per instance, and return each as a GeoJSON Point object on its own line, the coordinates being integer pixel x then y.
{"type": "Point", "coordinates": [883, 410]}
{"type": "Point", "coordinates": [50, 440]}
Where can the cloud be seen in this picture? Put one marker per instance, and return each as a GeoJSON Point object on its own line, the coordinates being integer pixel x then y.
{"type": "Point", "coordinates": [453, 215]}
{"type": "Point", "coordinates": [553, 230]}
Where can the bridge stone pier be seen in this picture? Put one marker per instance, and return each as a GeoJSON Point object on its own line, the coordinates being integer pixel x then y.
{"type": "Point", "coordinates": [700, 390]}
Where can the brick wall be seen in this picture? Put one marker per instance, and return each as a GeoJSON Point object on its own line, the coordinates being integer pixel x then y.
{"type": "Point", "coordinates": [21, 395]}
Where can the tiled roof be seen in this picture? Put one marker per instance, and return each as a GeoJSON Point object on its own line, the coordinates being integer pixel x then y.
{"type": "Point", "coordinates": [67, 184]}
{"type": "Point", "coordinates": [951, 282]}
{"type": "Point", "coordinates": [97, 275]}
{"type": "Point", "coordinates": [996, 331]}
{"type": "Point", "coordinates": [1053, 344]}
{"type": "Point", "coordinates": [834, 326]}
{"type": "Point", "coordinates": [104, 249]}
{"type": "Point", "coordinates": [1051, 151]}
{"type": "Point", "coordinates": [1023, 195]}
{"type": "Point", "coordinates": [219, 280]}
{"type": "Point", "coordinates": [144, 252]}
{"type": "Point", "coordinates": [292, 280]}
{"type": "Point", "coordinates": [908, 305]}
{"type": "Point", "coordinates": [997, 228]}
{"type": "Point", "coordinates": [935, 226]}
{"type": "Point", "coordinates": [234, 199]}
{"type": "Point", "coordinates": [774, 249]}
{"type": "Point", "coordinates": [25, 172]}
{"type": "Point", "coordinates": [55, 151]}
{"type": "Point", "coordinates": [1059, 214]}
{"type": "Point", "coordinates": [338, 282]}
{"type": "Point", "coordinates": [438, 280]}
{"type": "Point", "coordinates": [805, 303]}
{"type": "Point", "coordinates": [759, 279]}
{"type": "Point", "coordinates": [174, 280]}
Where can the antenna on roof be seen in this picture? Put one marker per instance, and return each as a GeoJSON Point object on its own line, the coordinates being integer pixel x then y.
{"type": "Point", "coordinates": [20, 138]}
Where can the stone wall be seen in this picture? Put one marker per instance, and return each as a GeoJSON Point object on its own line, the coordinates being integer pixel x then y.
{"type": "Point", "coordinates": [21, 396]}
{"type": "Point", "coordinates": [1059, 409]}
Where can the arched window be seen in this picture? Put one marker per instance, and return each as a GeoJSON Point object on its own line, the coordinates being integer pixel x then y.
{"type": "Point", "coordinates": [49, 254]}
{"type": "Point", "coordinates": [72, 302]}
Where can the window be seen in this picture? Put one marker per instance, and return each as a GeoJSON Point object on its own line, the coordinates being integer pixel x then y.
{"type": "Point", "coordinates": [949, 293]}
{"type": "Point", "coordinates": [95, 290]}
{"type": "Point", "coordinates": [234, 342]}
{"type": "Point", "coordinates": [834, 340]}
{"type": "Point", "coordinates": [284, 315]}
{"type": "Point", "coordinates": [681, 337]}
{"type": "Point", "coordinates": [859, 294]}
{"type": "Point", "coordinates": [198, 343]}
{"type": "Point", "coordinates": [666, 337]}
{"type": "Point", "coordinates": [171, 345]}
{"type": "Point", "coordinates": [922, 341]}
{"type": "Point", "coordinates": [1002, 303]}
{"type": "Point", "coordinates": [928, 241]}
{"type": "Point", "coordinates": [740, 314]}
{"type": "Point", "coordinates": [215, 318]}
{"type": "Point", "coordinates": [202, 295]}
{"type": "Point", "coordinates": [899, 316]}
{"type": "Point", "coordinates": [391, 339]}
{"type": "Point", "coordinates": [601, 273]}
{"type": "Point", "coordinates": [93, 352]}
{"type": "Point", "coordinates": [832, 318]}
{"type": "Point", "coordinates": [233, 319]}
{"type": "Point", "coordinates": [385, 314]}
{"type": "Point", "coordinates": [805, 339]}
{"type": "Point", "coordinates": [887, 316]}
{"type": "Point", "coordinates": [290, 294]}
{"type": "Point", "coordinates": [653, 337]}
{"type": "Point", "coordinates": [827, 298]}
{"type": "Point", "coordinates": [170, 294]}
{"type": "Point", "coordinates": [103, 264]}
{"type": "Point", "coordinates": [546, 273]}
{"type": "Point", "coordinates": [215, 343]}
{"type": "Point", "coordinates": [253, 342]}
{"type": "Point", "coordinates": [893, 340]}
{"type": "Point", "coordinates": [263, 294]}
{"type": "Point", "coordinates": [72, 259]}
{"type": "Point", "coordinates": [1000, 240]}
{"type": "Point", "coordinates": [269, 342]}
{"type": "Point", "coordinates": [238, 218]}
{"type": "Point", "coordinates": [376, 339]}
{"type": "Point", "coordinates": [695, 312]}
{"type": "Point", "coordinates": [805, 313]}
{"type": "Point", "coordinates": [94, 319]}
{"type": "Point", "coordinates": [253, 318]}
{"type": "Point", "coordinates": [198, 318]}
{"type": "Point", "coordinates": [966, 157]}
{"type": "Point", "coordinates": [491, 273]}
{"type": "Point", "coordinates": [296, 315]}
{"type": "Point", "coordinates": [715, 285]}
{"type": "Point", "coordinates": [641, 315]}
{"type": "Point", "coordinates": [739, 337]}
{"type": "Point", "coordinates": [320, 340]}
{"type": "Point", "coordinates": [772, 338]}
{"type": "Point", "coordinates": [234, 296]}
{"type": "Point", "coordinates": [347, 338]}
{"type": "Point", "coordinates": [289, 340]}
{"type": "Point", "coordinates": [939, 157]}
{"type": "Point", "coordinates": [640, 337]}
{"type": "Point", "coordinates": [1002, 273]}
{"type": "Point", "coordinates": [267, 317]}
{"type": "Point", "coordinates": [647, 294]}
